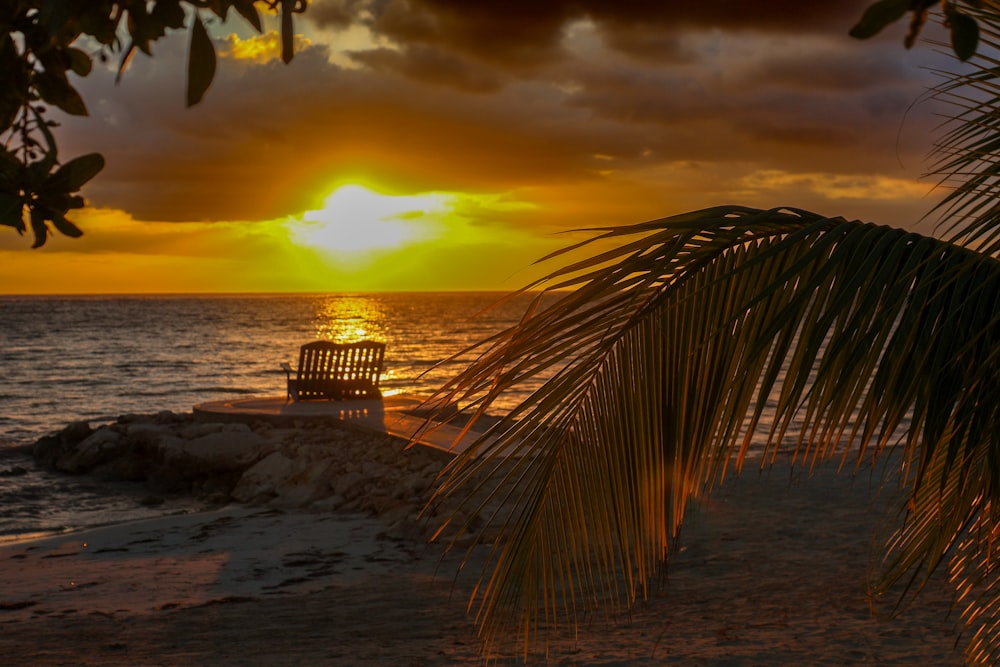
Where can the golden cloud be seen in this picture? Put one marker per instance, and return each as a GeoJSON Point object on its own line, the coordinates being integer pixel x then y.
{"type": "Point", "coordinates": [839, 186]}
{"type": "Point", "coordinates": [260, 48]}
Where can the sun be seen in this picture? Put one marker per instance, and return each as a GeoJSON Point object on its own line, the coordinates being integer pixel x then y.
{"type": "Point", "coordinates": [356, 220]}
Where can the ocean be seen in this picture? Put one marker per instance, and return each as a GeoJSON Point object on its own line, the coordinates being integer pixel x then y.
{"type": "Point", "coordinates": [94, 358]}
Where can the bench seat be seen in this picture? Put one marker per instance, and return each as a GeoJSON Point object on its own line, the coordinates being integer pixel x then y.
{"type": "Point", "coordinates": [336, 371]}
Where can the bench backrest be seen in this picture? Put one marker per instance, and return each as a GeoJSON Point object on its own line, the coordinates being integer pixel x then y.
{"type": "Point", "coordinates": [323, 360]}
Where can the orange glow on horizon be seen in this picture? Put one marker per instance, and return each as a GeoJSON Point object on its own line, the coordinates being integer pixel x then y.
{"type": "Point", "coordinates": [424, 242]}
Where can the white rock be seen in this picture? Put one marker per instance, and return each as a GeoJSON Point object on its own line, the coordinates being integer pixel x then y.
{"type": "Point", "coordinates": [347, 484]}
{"type": "Point", "coordinates": [292, 481]}
{"type": "Point", "coordinates": [99, 447]}
{"type": "Point", "coordinates": [215, 451]}
{"type": "Point", "coordinates": [263, 477]}
{"type": "Point", "coordinates": [375, 470]}
{"type": "Point", "coordinates": [198, 429]}
{"type": "Point", "coordinates": [315, 453]}
{"type": "Point", "coordinates": [144, 433]}
{"type": "Point", "coordinates": [236, 427]}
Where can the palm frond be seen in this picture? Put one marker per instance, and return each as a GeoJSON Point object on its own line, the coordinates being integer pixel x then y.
{"type": "Point", "coordinates": [703, 340]}
{"type": "Point", "coordinates": [967, 153]}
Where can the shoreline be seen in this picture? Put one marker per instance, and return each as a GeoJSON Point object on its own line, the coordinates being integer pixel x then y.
{"type": "Point", "coordinates": [169, 458]}
{"type": "Point", "coordinates": [42, 502]}
{"type": "Point", "coordinates": [155, 464]}
{"type": "Point", "coordinates": [771, 570]}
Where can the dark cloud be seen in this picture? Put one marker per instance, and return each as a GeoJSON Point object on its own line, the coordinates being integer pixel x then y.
{"type": "Point", "coordinates": [801, 134]}
{"type": "Point", "coordinates": [519, 34]}
{"type": "Point", "coordinates": [840, 70]}
{"type": "Point", "coordinates": [793, 16]}
{"type": "Point", "coordinates": [433, 66]}
{"type": "Point", "coordinates": [526, 33]}
{"type": "Point", "coordinates": [649, 43]}
{"type": "Point", "coordinates": [336, 13]}
{"type": "Point", "coordinates": [766, 108]}
{"type": "Point", "coordinates": [269, 140]}
{"type": "Point", "coordinates": [431, 114]}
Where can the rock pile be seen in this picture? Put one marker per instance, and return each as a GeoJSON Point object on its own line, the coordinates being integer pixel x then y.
{"type": "Point", "coordinates": [323, 464]}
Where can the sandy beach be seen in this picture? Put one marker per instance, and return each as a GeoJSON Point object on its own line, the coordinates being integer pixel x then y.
{"type": "Point", "coordinates": [772, 570]}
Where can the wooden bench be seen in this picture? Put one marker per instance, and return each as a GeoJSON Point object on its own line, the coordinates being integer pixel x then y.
{"type": "Point", "coordinates": [336, 371]}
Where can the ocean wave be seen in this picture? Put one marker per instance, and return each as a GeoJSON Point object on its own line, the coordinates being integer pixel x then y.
{"type": "Point", "coordinates": [225, 390]}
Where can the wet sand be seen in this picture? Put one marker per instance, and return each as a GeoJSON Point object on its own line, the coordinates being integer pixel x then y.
{"type": "Point", "coordinates": [772, 570]}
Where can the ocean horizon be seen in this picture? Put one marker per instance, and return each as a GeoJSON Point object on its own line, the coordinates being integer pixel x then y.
{"type": "Point", "coordinates": [96, 356]}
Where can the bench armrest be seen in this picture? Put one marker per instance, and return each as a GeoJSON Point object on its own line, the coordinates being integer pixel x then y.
{"type": "Point", "coordinates": [288, 369]}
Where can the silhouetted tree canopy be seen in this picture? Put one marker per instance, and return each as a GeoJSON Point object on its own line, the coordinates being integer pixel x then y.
{"type": "Point", "coordinates": [42, 42]}
{"type": "Point", "coordinates": [962, 26]}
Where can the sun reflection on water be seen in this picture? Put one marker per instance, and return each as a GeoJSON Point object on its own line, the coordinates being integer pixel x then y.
{"type": "Point", "coordinates": [349, 318]}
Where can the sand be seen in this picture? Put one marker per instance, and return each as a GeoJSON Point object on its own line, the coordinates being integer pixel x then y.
{"type": "Point", "coordinates": [772, 571]}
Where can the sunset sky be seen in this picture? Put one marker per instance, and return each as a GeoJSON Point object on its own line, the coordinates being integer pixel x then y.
{"type": "Point", "coordinates": [445, 144]}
